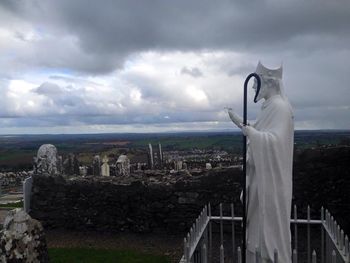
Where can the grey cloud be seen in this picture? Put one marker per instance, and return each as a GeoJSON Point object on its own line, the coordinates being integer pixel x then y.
{"type": "Point", "coordinates": [233, 69]}
{"type": "Point", "coordinates": [48, 88]}
{"type": "Point", "coordinates": [194, 72]}
{"type": "Point", "coordinates": [107, 32]}
{"type": "Point", "coordinates": [95, 38]}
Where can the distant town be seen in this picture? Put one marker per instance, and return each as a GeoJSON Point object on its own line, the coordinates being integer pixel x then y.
{"type": "Point", "coordinates": [135, 154]}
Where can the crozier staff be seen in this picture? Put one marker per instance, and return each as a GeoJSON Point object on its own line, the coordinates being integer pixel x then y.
{"type": "Point", "coordinates": [270, 142]}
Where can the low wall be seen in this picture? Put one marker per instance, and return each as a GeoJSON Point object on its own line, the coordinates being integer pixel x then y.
{"type": "Point", "coordinates": [321, 178]}
{"type": "Point", "coordinates": [138, 206]}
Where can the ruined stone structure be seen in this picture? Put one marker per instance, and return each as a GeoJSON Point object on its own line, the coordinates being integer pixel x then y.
{"type": "Point", "coordinates": [150, 157]}
{"type": "Point", "coordinates": [208, 166]}
{"type": "Point", "coordinates": [105, 167]}
{"type": "Point", "coordinates": [46, 162]}
{"type": "Point", "coordinates": [71, 165]}
{"type": "Point", "coordinates": [96, 166]}
{"type": "Point", "coordinates": [160, 156]}
{"type": "Point", "coordinates": [23, 239]}
{"type": "Point", "coordinates": [123, 165]}
{"type": "Point", "coordinates": [177, 165]}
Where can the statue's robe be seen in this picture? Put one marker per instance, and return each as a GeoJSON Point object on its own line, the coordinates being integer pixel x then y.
{"type": "Point", "coordinates": [269, 180]}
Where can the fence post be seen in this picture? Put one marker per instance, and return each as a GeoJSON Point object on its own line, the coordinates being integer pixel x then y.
{"type": "Point", "coordinates": [185, 251]}
{"type": "Point", "coordinates": [322, 234]}
{"type": "Point", "coordinates": [191, 237]}
{"type": "Point", "coordinates": [205, 231]}
{"type": "Point", "coordinates": [222, 259]}
{"type": "Point", "coordinates": [346, 250]}
{"type": "Point", "coordinates": [257, 255]}
{"type": "Point", "coordinates": [295, 229]}
{"type": "Point", "coordinates": [275, 256]}
{"type": "Point", "coordinates": [239, 255]}
{"type": "Point", "coordinates": [308, 235]}
{"type": "Point", "coordinates": [210, 235]}
{"type": "Point", "coordinates": [334, 257]}
{"type": "Point", "coordinates": [295, 256]}
{"type": "Point", "coordinates": [204, 254]}
{"type": "Point", "coordinates": [341, 239]}
{"type": "Point", "coordinates": [188, 246]}
{"type": "Point", "coordinates": [233, 232]}
{"type": "Point", "coordinates": [188, 253]}
{"type": "Point", "coordinates": [328, 237]}
{"type": "Point", "coordinates": [314, 257]}
{"type": "Point", "coordinates": [221, 226]}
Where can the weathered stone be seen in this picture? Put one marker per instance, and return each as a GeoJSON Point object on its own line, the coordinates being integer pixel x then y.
{"type": "Point", "coordinates": [23, 239]}
{"type": "Point", "coordinates": [96, 165]}
{"type": "Point", "coordinates": [46, 162]}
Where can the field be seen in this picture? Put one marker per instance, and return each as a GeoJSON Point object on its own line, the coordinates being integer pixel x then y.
{"type": "Point", "coordinates": [17, 152]}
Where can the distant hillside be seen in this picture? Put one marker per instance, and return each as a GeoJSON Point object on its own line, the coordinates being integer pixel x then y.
{"type": "Point", "coordinates": [16, 152]}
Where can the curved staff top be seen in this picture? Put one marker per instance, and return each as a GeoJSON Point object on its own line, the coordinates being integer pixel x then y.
{"type": "Point", "coordinates": [256, 76]}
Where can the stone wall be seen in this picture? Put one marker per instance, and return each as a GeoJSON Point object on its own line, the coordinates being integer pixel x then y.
{"type": "Point", "coordinates": [137, 206]}
{"type": "Point", "coordinates": [171, 203]}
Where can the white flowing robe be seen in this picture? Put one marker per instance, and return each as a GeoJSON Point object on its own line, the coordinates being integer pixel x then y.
{"type": "Point", "coordinates": [269, 180]}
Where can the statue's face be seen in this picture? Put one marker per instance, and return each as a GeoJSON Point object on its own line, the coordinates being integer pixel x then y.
{"type": "Point", "coordinates": [263, 89]}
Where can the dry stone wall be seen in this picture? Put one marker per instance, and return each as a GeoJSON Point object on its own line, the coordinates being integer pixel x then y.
{"type": "Point", "coordinates": [137, 206]}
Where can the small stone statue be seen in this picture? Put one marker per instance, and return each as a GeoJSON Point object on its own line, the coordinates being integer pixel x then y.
{"type": "Point", "coordinates": [270, 142]}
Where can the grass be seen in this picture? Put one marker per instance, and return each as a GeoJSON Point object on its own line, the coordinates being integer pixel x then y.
{"type": "Point", "coordinates": [12, 205]}
{"type": "Point", "coordinates": [92, 255]}
{"type": "Point", "coordinates": [227, 142]}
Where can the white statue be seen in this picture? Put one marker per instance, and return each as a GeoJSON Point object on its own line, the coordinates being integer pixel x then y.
{"type": "Point", "coordinates": [270, 142]}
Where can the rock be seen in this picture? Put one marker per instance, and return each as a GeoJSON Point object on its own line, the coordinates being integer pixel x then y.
{"type": "Point", "coordinates": [23, 239]}
{"type": "Point", "coordinates": [46, 161]}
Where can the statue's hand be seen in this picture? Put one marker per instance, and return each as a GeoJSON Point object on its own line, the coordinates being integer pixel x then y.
{"type": "Point", "coordinates": [234, 117]}
{"type": "Point", "coordinates": [247, 130]}
{"type": "Point", "coordinates": [230, 113]}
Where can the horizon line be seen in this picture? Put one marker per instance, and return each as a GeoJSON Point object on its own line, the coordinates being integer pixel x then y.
{"type": "Point", "coordinates": [165, 132]}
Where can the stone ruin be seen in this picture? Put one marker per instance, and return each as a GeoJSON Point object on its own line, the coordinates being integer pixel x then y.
{"type": "Point", "coordinates": [71, 165]}
{"type": "Point", "coordinates": [105, 170]}
{"type": "Point", "coordinates": [23, 239]}
{"type": "Point", "coordinates": [47, 162]}
{"type": "Point", "coordinates": [123, 165]}
{"type": "Point", "coordinates": [96, 166]}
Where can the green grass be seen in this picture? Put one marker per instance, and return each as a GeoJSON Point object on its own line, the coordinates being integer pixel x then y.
{"type": "Point", "coordinates": [12, 205]}
{"type": "Point", "coordinates": [90, 255]}
{"type": "Point", "coordinates": [226, 142]}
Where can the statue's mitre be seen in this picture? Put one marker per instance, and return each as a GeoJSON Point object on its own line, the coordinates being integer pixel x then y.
{"type": "Point", "coordinates": [269, 73]}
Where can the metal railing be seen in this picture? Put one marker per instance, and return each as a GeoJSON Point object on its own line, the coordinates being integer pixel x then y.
{"type": "Point", "coordinates": [198, 243]}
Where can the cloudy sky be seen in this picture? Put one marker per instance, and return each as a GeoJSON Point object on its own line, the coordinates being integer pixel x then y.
{"type": "Point", "coordinates": [88, 66]}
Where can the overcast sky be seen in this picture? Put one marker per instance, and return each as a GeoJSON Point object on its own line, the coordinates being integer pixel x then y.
{"type": "Point", "coordinates": [87, 66]}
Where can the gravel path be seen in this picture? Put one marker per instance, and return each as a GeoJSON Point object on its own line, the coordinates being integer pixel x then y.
{"type": "Point", "coordinates": [160, 244]}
